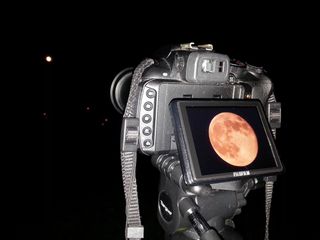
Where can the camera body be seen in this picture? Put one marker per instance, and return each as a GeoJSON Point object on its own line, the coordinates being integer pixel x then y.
{"type": "Point", "coordinates": [200, 74]}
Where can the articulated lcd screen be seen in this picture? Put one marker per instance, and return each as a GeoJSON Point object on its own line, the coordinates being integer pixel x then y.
{"type": "Point", "coordinates": [223, 140]}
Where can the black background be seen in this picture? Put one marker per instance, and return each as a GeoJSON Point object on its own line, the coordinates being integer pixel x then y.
{"type": "Point", "coordinates": [65, 175]}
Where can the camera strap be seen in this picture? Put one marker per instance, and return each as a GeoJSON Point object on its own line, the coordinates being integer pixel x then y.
{"type": "Point", "coordinates": [129, 146]}
{"type": "Point", "coordinates": [268, 199]}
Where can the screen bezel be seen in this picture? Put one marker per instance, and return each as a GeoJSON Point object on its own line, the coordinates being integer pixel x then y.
{"type": "Point", "coordinates": [186, 146]}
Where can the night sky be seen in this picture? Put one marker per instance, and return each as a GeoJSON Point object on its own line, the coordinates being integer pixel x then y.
{"type": "Point", "coordinates": [67, 184]}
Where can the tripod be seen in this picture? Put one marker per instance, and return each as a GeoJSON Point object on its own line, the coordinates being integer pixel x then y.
{"type": "Point", "coordinates": [197, 212]}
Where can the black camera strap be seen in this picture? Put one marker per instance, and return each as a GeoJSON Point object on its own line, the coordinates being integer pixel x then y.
{"type": "Point", "coordinates": [269, 181]}
{"type": "Point", "coordinates": [129, 146]}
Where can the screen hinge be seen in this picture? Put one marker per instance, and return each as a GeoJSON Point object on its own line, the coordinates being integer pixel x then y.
{"type": "Point", "coordinates": [129, 134]}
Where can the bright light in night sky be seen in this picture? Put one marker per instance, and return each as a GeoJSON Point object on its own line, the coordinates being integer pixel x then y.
{"type": "Point", "coordinates": [48, 58]}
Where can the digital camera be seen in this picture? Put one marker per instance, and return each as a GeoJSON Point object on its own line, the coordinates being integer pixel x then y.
{"type": "Point", "coordinates": [209, 124]}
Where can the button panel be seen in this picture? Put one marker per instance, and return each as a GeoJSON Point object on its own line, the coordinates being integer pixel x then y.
{"type": "Point", "coordinates": [147, 118]}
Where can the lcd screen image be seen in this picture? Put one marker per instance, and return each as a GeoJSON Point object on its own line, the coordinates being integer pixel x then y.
{"type": "Point", "coordinates": [229, 139]}
{"type": "Point", "coordinates": [222, 140]}
{"type": "Point", "coordinates": [233, 139]}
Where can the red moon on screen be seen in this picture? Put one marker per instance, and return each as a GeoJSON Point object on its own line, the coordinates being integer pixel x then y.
{"type": "Point", "coordinates": [233, 139]}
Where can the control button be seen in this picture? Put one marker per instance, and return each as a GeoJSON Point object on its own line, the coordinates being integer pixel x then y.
{"type": "Point", "coordinates": [146, 131]}
{"type": "Point", "coordinates": [151, 93]}
{"type": "Point", "coordinates": [148, 106]}
{"type": "Point", "coordinates": [146, 118]}
{"type": "Point", "coordinates": [147, 143]}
